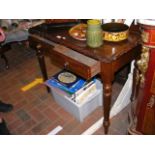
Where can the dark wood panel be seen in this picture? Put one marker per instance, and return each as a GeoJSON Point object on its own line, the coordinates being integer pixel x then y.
{"type": "Point", "coordinates": [109, 52]}
{"type": "Point", "coordinates": [80, 64]}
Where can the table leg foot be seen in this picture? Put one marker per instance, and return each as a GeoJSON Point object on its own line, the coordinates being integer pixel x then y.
{"type": "Point", "coordinates": [106, 125]}
{"type": "Point", "coordinates": [6, 61]}
{"type": "Point", "coordinates": [106, 105]}
{"type": "Point", "coordinates": [48, 89]}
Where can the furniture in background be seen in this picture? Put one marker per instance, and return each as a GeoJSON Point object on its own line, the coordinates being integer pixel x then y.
{"type": "Point", "coordinates": [3, 49]}
{"type": "Point", "coordinates": [142, 114]}
{"type": "Point", "coordinates": [56, 21]}
{"type": "Point", "coordinates": [6, 47]}
{"type": "Point", "coordinates": [87, 62]}
{"type": "Point", "coordinates": [15, 31]}
{"type": "Point", "coordinates": [12, 34]}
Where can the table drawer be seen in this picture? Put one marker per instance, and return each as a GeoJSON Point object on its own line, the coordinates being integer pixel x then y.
{"type": "Point", "coordinates": [78, 63]}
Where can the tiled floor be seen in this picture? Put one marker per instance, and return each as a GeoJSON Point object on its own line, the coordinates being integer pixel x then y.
{"type": "Point", "coordinates": [35, 111]}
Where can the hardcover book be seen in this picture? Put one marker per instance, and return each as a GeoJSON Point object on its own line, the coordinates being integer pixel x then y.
{"type": "Point", "coordinates": [66, 81]}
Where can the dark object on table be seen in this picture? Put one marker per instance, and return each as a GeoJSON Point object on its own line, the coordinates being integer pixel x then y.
{"type": "Point", "coordinates": [115, 32]}
{"type": "Point", "coordinates": [5, 107]}
{"type": "Point", "coordinates": [3, 129]}
{"type": "Point", "coordinates": [56, 21]}
{"type": "Point", "coordinates": [52, 23]}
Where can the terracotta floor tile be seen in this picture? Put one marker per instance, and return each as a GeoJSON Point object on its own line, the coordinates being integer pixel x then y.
{"type": "Point", "coordinates": [48, 103]}
{"type": "Point", "coordinates": [53, 125]}
{"type": "Point", "coordinates": [40, 126]}
{"type": "Point", "coordinates": [36, 114]}
{"type": "Point", "coordinates": [26, 126]}
{"type": "Point", "coordinates": [13, 125]}
{"type": "Point", "coordinates": [50, 114]}
{"type": "Point", "coordinates": [23, 115]}
{"type": "Point", "coordinates": [10, 117]}
{"type": "Point", "coordinates": [90, 120]}
{"type": "Point", "coordinates": [70, 126]}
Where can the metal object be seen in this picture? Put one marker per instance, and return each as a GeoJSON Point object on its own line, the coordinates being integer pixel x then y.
{"type": "Point", "coordinates": [115, 32]}
{"type": "Point", "coordinates": [143, 63]}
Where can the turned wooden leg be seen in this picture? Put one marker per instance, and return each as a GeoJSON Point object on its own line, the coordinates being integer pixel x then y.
{"type": "Point", "coordinates": [107, 87]}
{"type": "Point", "coordinates": [41, 61]}
{"type": "Point", "coordinates": [107, 76]}
{"type": "Point", "coordinates": [6, 60]}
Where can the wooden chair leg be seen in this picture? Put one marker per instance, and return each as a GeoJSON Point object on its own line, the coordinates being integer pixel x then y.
{"type": "Point", "coordinates": [6, 60]}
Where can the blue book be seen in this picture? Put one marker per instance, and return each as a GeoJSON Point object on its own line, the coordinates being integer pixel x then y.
{"type": "Point", "coordinates": [66, 81]}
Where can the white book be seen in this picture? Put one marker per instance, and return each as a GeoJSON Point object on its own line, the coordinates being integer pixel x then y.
{"type": "Point", "coordinates": [84, 88]}
{"type": "Point", "coordinates": [80, 91]}
{"type": "Point", "coordinates": [84, 96]}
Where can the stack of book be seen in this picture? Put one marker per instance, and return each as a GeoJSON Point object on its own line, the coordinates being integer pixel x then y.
{"type": "Point", "coordinates": [68, 84]}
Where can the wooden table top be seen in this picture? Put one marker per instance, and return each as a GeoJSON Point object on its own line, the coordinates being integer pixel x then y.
{"type": "Point", "coordinates": [108, 52]}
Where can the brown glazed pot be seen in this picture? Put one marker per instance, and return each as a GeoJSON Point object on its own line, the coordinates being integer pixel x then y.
{"type": "Point", "coordinates": [115, 32]}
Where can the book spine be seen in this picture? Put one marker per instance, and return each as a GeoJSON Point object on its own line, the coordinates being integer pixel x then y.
{"type": "Point", "coordinates": [80, 91]}
{"type": "Point", "coordinates": [83, 97]}
{"type": "Point", "coordinates": [83, 88]}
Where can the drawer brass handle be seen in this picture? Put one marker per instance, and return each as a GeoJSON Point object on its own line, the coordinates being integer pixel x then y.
{"type": "Point", "coordinates": [66, 64]}
{"type": "Point", "coordinates": [151, 102]}
{"type": "Point", "coordinates": [39, 46]}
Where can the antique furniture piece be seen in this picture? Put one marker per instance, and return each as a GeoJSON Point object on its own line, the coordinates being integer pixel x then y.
{"type": "Point", "coordinates": [14, 34]}
{"type": "Point", "coordinates": [3, 49]}
{"type": "Point", "coordinates": [142, 115]}
{"type": "Point", "coordinates": [8, 29]}
{"type": "Point", "coordinates": [87, 62]}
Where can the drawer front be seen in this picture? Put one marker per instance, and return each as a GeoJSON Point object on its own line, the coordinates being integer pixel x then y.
{"type": "Point", "coordinates": [80, 64]}
{"type": "Point", "coordinates": [70, 64]}
{"type": "Point", "coordinates": [76, 62]}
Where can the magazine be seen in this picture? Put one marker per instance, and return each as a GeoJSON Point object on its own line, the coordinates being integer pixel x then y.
{"type": "Point", "coordinates": [66, 81]}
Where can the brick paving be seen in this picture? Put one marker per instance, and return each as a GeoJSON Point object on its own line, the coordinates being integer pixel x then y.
{"type": "Point", "coordinates": [35, 111]}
